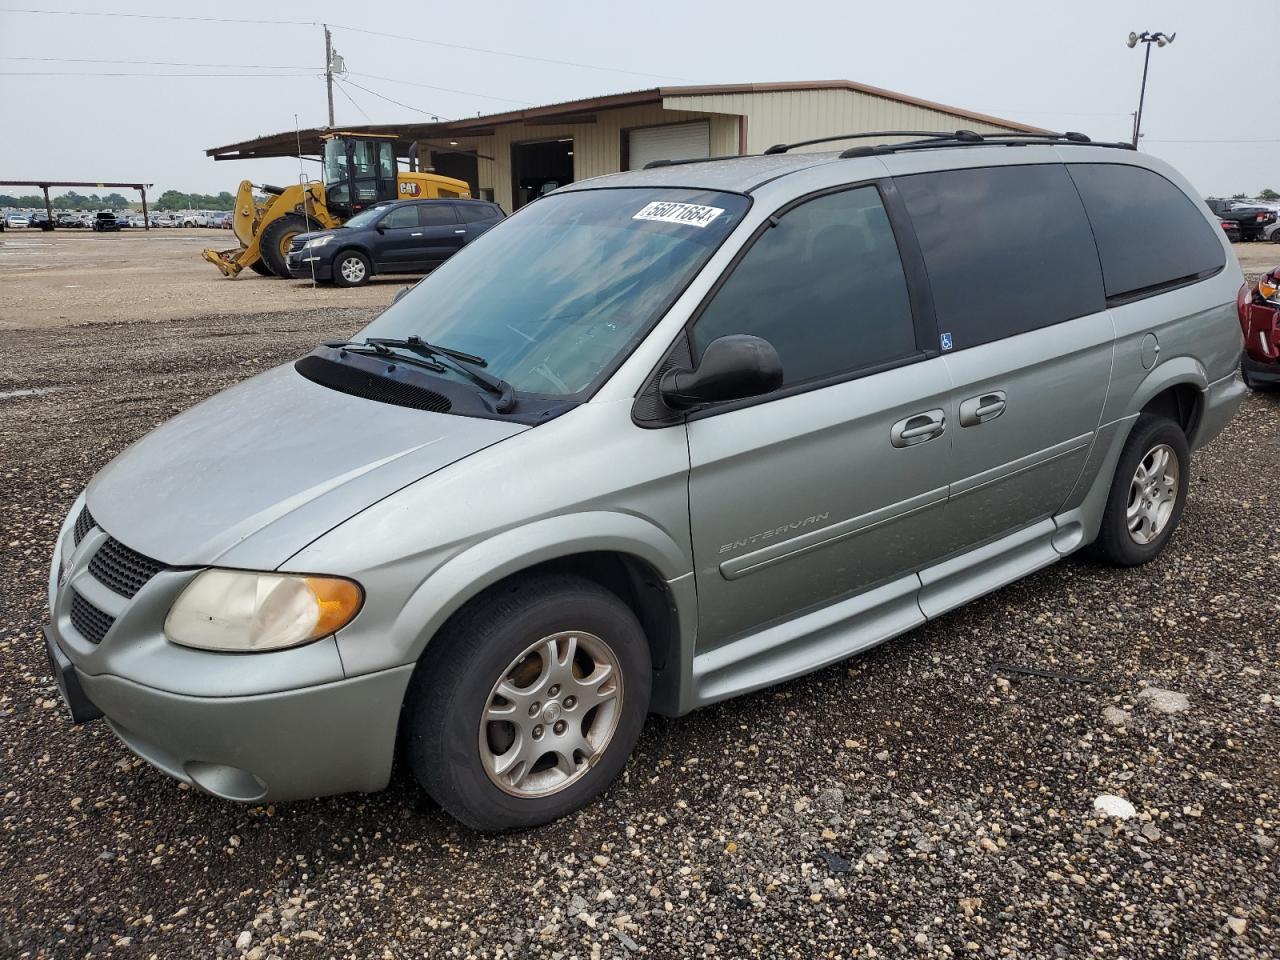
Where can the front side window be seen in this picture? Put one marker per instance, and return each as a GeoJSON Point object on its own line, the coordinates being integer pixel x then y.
{"type": "Point", "coordinates": [569, 286]}
{"type": "Point", "coordinates": [406, 216]}
{"type": "Point", "coordinates": [1149, 232]}
{"type": "Point", "coordinates": [1008, 250]}
{"type": "Point", "coordinates": [825, 286]}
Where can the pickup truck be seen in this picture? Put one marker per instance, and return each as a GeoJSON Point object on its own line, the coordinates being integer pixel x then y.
{"type": "Point", "coordinates": [194, 220]}
{"type": "Point", "coordinates": [1252, 220]}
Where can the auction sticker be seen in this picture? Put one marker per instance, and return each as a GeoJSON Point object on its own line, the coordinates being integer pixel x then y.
{"type": "Point", "coordinates": [690, 214]}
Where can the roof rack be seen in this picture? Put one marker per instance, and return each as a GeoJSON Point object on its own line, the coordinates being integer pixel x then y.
{"type": "Point", "coordinates": [936, 134]}
{"type": "Point", "coordinates": [968, 138]}
{"type": "Point", "coordinates": [930, 138]}
{"type": "Point", "coordinates": [675, 163]}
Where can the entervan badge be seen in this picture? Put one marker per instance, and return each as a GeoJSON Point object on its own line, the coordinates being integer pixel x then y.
{"type": "Point", "coordinates": [690, 214]}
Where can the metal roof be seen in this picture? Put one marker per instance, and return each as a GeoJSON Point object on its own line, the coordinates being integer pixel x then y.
{"type": "Point", "coordinates": [309, 142]}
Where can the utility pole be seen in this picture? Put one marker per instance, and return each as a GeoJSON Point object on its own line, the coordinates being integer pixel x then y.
{"type": "Point", "coordinates": [328, 68]}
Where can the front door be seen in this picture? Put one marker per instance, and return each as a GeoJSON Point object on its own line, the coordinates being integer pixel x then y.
{"type": "Point", "coordinates": [1027, 341]}
{"type": "Point", "coordinates": [399, 243]}
{"type": "Point", "coordinates": [834, 484]}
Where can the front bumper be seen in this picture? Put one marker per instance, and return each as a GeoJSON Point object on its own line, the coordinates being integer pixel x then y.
{"type": "Point", "coordinates": [301, 262]}
{"type": "Point", "coordinates": [1260, 373]}
{"type": "Point", "coordinates": [333, 738]}
{"type": "Point", "coordinates": [279, 725]}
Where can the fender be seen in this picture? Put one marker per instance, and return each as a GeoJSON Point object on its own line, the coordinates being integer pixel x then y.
{"type": "Point", "coordinates": [1083, 509]}
{"type": "Point", "coordinates": [464, 576]}
{"type": "Point", "coordinates": [1171, 373]}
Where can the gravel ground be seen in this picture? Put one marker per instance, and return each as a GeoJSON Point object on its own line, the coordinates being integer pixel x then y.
{"type": "Point", "coordinates": [914, 801]}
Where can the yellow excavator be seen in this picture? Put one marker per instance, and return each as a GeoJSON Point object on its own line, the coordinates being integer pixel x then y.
{"type": "Point", "coordinates": [359, 171]}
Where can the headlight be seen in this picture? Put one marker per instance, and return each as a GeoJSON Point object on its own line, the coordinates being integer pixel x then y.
{"type": "Point", "coordinates": [245, 612]}
{"type": "Point", "coordinates": [317, 242]}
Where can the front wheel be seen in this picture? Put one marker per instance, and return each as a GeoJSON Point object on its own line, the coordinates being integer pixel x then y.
{"type": "Point", "coordinates": [1148, 492]}
{"type": "Point", "coordinates": [350, 269]}
{"type": "Point", "coordinates": [528, 703]}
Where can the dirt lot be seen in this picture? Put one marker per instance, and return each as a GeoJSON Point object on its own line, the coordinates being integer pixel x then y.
{"type": "Point", "coordinates": [76, 276]}
{"type": "Point", "coordinates": [916, 801]}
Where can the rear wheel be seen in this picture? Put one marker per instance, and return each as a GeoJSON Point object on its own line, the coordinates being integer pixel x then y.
{"type": "Point", "coordinates": [1148, 492]}
{"type": "Point", "coordinates": [276, 239]}
{"type": "Point", "coordinates": [350, 268]}
{"type": "Point", "coordinates": [529, 702]}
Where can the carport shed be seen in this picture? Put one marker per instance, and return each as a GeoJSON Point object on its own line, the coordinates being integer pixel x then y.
{"type": "Point", "coordinates": [512, 157]}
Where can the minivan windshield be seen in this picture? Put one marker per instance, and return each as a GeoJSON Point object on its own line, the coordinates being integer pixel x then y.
{"type": "Point", "coordinates": [552, 296]}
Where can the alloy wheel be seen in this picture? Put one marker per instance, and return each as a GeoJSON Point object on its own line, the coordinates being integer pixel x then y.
{"type": "Point", "coordinates": [1153, 491]}
{"type": "Point", "coordinates": [352, 269]}
{"type": "Point", "coordinates": [551, 715]}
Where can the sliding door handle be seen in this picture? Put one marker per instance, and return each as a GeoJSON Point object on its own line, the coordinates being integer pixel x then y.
{"type": "Point", "coordinates": [980, 409]}
{"type": "Point", "coordinates": [918, 428]}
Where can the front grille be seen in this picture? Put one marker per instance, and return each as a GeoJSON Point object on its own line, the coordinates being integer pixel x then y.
{"type": "Point", "coordinates": [358, 383]}
{"type": "Point", "coordinates": [121, 569]}
{"type": "Point", "coordinates": [90, 622]}
{"type": "Point", "coordinates": [84, 523]}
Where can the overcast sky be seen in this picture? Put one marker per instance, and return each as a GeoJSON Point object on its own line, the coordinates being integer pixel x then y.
{"type": "Point", "coordinates": [1062, 66]}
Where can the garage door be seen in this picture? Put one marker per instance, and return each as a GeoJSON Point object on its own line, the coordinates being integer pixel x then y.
{"type": "Point", "coordinates": [677, 141]}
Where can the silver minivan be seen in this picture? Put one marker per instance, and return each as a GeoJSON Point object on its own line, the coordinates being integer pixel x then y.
{"type": "Point", "coordinates": [659, 439]}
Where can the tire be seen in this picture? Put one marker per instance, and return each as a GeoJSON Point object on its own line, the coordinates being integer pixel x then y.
{"type": "Point", "coordinates": [260, 267]}
{"type": "Point", "coordinates": [351, 269]}
{"type": "Point", "coordinates": [273, 244]}
{"type": "Point", "coordinates": [1131, 535]}
{"type": "Point", "coordinates": [450, 750]}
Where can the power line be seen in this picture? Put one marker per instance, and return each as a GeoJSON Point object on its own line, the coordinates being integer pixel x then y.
{"type": "Point", "coordinates": [1153, 140]}
{"type": "Point", "coordinates": [407, 106]}
{"type": "Point", "coordinates": [372, 33]}
{"type": "Point", "coordinates": [343, 90]}
{"type": "Point", "coordinates": [103, 73]}
{"type": "Point", "coordinates": [166, 63]}
{"type": "Point", "coordinates": [157, 16]}
{"type": "Point", "coordinates": [428, 86]}
{"type": "Point", "coordinates": [505, 53]}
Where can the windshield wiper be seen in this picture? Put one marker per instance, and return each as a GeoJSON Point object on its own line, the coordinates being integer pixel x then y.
{"type": "Point", "coordinates": [468, 363]}
{"type": "Point", "coordinates": [379, 350]}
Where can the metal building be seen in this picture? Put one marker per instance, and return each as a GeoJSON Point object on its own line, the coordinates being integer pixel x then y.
{"type": "Point", "coordinates": [513, 157]}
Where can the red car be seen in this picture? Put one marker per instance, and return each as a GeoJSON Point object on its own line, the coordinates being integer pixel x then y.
{"type": "Point", "coordinates": [1260, 320]}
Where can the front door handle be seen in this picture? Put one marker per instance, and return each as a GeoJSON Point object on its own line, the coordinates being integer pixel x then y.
{"type": "Point", "coordinates": [463, 230]}
{"type": "Point", "coordinates": [918, 428]}
{"type": "Point", "coordinates": [980, 409]}
{"type": "Point", "coordinates": [415, 234]}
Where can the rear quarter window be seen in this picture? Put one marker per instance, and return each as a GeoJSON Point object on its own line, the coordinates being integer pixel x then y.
{"type": "Point", "coordinates": [1007, 249]}
{"type": "Point", "coordinates": [1150, 234]}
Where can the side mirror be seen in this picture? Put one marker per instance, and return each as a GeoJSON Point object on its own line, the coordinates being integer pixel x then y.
{"type": "Point", "coordinates": [380, 228]}
{"type": "Point", "coordinates": [732, 368]}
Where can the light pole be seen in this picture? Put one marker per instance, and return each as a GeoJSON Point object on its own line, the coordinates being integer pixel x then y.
{"type": "Point", "coordinates": [1147, 37]}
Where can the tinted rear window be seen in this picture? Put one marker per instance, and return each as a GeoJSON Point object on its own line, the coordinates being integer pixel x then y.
{"type": "Point", "coordinates": [1149, 232]}
{"type": "Point", "coordinates": [436, 214]}
{"type": "Point", "coordinates": [477, 212]}
{"type": "Point", "coordinates": [1008, 249]}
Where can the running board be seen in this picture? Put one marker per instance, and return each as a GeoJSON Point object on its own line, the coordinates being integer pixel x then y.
{"type": "Point", "coordinates": [971, 575]}
{"type": "Point", "coordinates": [807, 643]}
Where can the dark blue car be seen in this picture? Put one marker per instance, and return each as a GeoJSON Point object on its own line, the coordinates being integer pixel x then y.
{"type": "Point", "coordinates": [409, 236]}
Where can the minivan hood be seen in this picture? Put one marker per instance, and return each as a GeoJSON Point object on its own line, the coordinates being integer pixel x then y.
{"type": "Point", "coordinates": [252, 475]}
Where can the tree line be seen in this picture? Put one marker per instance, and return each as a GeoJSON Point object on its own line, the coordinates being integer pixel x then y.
{"type": "Point", "coordinates": [169, 200]}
